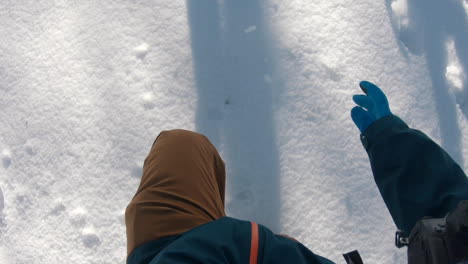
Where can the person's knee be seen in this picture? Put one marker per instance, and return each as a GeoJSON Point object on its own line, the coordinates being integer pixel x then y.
{"type": "Point", "coordinates": [180, 135]}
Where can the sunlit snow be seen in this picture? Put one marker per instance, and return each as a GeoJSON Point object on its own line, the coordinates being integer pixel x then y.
{"type": "Point", "coordinates": [86, 86]}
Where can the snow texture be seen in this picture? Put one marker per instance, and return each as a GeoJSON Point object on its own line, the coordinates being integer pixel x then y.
{"type": "Point", "coordinates": [86, 86]}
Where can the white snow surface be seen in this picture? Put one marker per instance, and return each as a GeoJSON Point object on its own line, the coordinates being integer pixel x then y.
{"type": "Point", "coordinates": [86, 86]}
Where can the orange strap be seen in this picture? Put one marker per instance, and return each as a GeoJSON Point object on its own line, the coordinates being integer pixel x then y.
{"type": "Point", "coordinates": [254, 244]}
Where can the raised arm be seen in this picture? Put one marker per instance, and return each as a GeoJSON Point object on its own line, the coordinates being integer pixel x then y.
{"type": "Point", "coordinates": [415, 176]}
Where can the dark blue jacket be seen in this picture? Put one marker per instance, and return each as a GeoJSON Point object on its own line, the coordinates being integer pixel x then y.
{"type": "Point", "coordinates": [226, 240]}
{"type": "Point", "coordinates": [415, 177]}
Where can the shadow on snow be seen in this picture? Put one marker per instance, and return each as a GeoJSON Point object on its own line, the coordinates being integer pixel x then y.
{"type": "Point", "coordinates": [431, 24]}
{"type": "Point", "coordinates": [231, 51]}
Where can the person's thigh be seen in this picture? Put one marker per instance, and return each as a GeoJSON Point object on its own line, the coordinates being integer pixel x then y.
{"type": "Point", "coordinates": [182, 187]}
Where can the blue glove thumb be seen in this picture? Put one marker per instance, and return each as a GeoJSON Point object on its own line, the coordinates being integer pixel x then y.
{"type": "Point", "coordinates": [371, 107]}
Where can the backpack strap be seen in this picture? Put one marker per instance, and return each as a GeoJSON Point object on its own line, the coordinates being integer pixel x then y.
{"type": "Point", "coordinates": [254, 243]}
{"type": "Point", "coordinates": [438, 240]}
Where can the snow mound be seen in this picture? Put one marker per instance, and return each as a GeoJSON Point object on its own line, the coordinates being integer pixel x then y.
{"type": "Point", "coordinates": [141, 51]}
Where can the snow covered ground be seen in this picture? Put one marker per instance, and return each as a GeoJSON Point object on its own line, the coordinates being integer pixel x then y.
{"type": "Point", "coordinates": [86, 86]}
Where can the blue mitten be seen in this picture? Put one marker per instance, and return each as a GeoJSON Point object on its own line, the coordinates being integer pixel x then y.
{"type": "Point", "coordinates": [372, 106]}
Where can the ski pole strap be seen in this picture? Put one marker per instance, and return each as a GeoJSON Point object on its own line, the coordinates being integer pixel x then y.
{"type": "Point", "coordinates": [353, 257]}
{"type": "Point", "coordinates": [254, 244]}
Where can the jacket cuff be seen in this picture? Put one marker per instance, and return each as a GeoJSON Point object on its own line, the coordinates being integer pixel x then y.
{"type": "Point", "coordinates": [382, 129]}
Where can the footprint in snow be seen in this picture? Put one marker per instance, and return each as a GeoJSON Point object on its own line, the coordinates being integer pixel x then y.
{"type": "Point", "coordinates": [29, 148]}
{"type": "Point", "coordinates": [58, 209]}
{"type": "Point", "coordinates": [6, 158]}
{"type": "Point", "coordinates": [89, 238]}
{"type": "Point", "coordinates": [78, 217]}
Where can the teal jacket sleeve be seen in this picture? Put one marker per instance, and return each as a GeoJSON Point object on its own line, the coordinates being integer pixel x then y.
{"type": "Point", "coordinates": [414, 175]}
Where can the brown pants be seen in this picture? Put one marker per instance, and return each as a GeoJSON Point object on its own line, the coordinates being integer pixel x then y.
{"type": "Point", "coordinates": [182, 187]}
